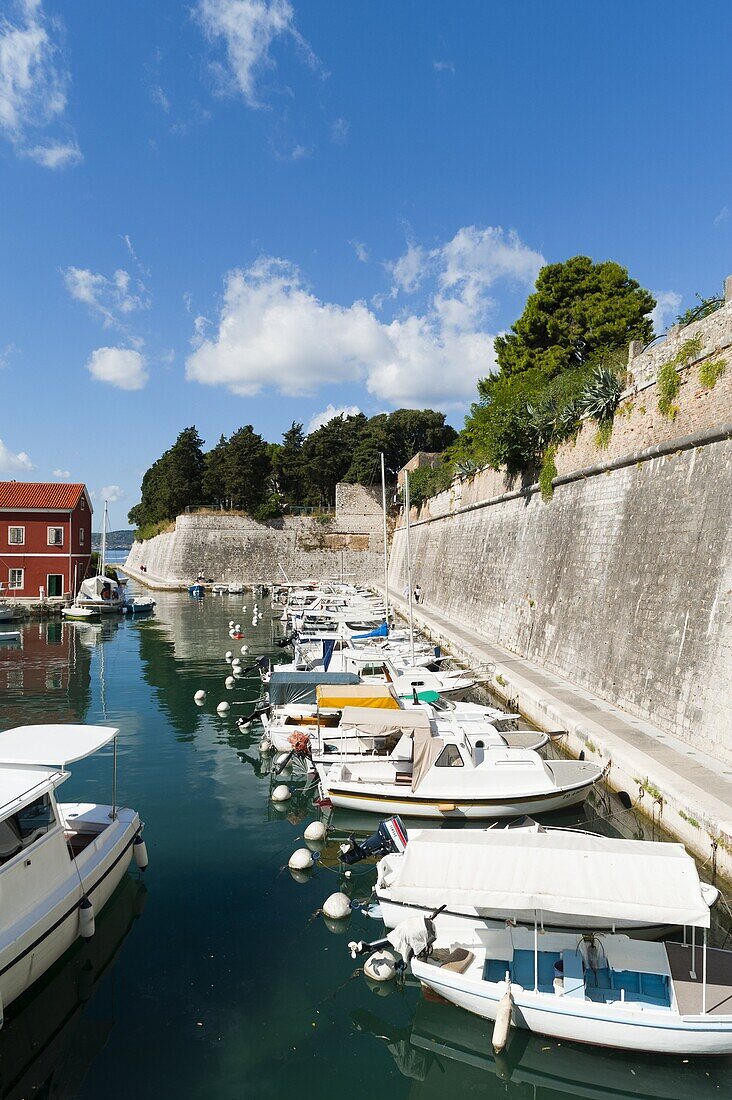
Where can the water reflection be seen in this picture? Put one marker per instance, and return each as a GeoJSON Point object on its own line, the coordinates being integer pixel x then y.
{"type": "Point", "coordinates": [51, 669]}
{"type": "Point", "coordinates": [55, 1031]}
{"type": "Point", "coordinates": [444, 1051]}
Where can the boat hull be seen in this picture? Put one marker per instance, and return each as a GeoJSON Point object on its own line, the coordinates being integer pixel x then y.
{"type": "Point", "coordinates": [654, 1032]}
{"type": "Point", "coordinates": [28, 952]}
{"type": "Point", "coordinates": [441, 808]}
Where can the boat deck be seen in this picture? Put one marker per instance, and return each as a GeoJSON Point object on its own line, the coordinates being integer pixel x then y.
{"type": "Point", "coordinates": [689, 989]}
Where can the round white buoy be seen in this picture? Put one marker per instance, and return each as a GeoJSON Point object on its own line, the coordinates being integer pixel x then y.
{"type": "Point", "coordinates": [231, 624]}
{"type": "Point", "coordinates": [236, 661]}
{"type": "Point", "coordinates": [200, 696]}
{"type": "Point", "coordinates": [228, 656]}
{"type": "Point", "coordinates": [244, 649]}
{"type": "Point", "coordinates": [244, 608]}
{"type": "Point", "coordinates": [223, 707]}
{"type": "Point", "coordinates": [315, 831]}
{"type": "Point", "coordinates": [229, 683]}
{"type": "Point", "coordinates": [301, 860]}
{"type": "Point", "coordinates": [237, 628]}
{"type": "Point", "coordinates": [281, 793]}
{"type": "Point", "coordinates": [87, 923]}
{"type": "Point", "coordinates": [337, 906]}
{"type": "Point", "coordinates": [139, 849]}
{"type": "Point", "coordinates": [381, 966]}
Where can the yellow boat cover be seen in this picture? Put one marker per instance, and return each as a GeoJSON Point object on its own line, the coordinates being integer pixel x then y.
{"type": "Point", "coordinates": [380, 696]}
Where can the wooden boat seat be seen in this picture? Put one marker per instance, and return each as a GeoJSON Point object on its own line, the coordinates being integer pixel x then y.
{"type": "Point", "coordinates": [458, 959]}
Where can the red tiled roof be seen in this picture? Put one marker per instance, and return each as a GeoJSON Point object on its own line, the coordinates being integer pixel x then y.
{"type": "Point", "coordinates": [39, 494]}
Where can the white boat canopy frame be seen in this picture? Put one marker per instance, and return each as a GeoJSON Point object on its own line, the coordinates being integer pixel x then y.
{"type": "Point", "coordinates": [576, 874]}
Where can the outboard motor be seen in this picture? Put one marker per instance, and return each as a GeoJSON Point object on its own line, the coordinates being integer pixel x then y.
{"type": "Point", "coordinates": [391, 836]}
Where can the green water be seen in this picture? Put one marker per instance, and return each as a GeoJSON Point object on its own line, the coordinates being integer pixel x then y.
{"type": "Point", "coordinates": [212, 977]}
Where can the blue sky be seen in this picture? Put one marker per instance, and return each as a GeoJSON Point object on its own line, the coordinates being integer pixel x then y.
{"type": "Point", "coordinates": [252, 211]}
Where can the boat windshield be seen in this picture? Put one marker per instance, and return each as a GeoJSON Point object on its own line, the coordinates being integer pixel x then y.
{"type": "Point", "coordinates": [24, 827]}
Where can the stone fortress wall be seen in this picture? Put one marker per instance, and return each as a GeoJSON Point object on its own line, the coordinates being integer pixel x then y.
{"type": "Point", "coordinates": [236, 548]}
{"type": "Point", "coordinates": [622, 582]}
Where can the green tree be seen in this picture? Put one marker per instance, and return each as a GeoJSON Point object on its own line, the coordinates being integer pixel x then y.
{"type": "Point", "coordinates": [287, 463]}
{"type": "Point", "coordinates": [327, 454]}
{"type": "Point", "coordinates": [399, 435]}
{"type": "Point", "coordinates": [213, 487]}
{"type": "Point", "coordinates": [246, 470]}
{"type": "Point", "coordinates": [173, 482]}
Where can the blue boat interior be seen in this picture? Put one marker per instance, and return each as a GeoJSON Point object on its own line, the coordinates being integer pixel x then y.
{"type": "Point", "coordinates": [604, 985]}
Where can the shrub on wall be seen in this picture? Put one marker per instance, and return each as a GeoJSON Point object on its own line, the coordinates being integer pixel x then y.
{"type": "Point", "coordinates": [711, 371]}
{"type": "Point", "coordinates": [547, 474]}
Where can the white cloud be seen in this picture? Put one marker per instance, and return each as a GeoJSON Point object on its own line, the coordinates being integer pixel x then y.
{"type": "Point", "coordinates": [330, 412]}
{"type": "Point", "coordinates": [362, 252]}
{"type": "Point", "coordinates": [159, 98]}
{"type": "Point", "coordinates": [274, 333]}
{"type": "Point", "coordinates": [339, 130]}
{"type": "Point", "coordinates": [723, 216]}
{"type": "Point", "coordinates": [247, 29]}
{"type": "Point", "coordinates": [121, 367]}
{"type": "Point", "coordinates": [665, 311]}
{"type": "Point", "coordinates": [33, 86]}
{"type": "Point", "coordinates": [443, 66]}
{"type": "Point", "coordinates": [5, 354]}
{"type": "Point", "coordinates": [12, 463]}
{"type": "Point", "coordinates": [62, 475]}
{"type": "Point", "coordinates": [109, 298]}
{"type": "Point", "coordinates": [111, 493]}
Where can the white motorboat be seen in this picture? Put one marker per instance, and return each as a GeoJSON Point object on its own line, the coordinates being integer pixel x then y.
{"type": "Point", "coordinates": [605, 989]}
{"type": "Point", "coordinates": [454, 778]}
{"type": "Point", "coordinates": [235, 589]}
{"type": "Point", "coordinates": [139, 605]}
{"type": "Point", "coordinates": [79, 613]}
{"type": "Point", "coordinates": [459, 864]}
{"type": "Point", "coordinates": [59, 862]}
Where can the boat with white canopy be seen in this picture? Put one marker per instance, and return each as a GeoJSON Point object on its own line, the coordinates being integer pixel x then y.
{"type": "Point", "coordinates": [454, 777]}
{"type": "Point", "coordinates": [586, 986]}
{"type": "Point", "coordinates": [59, 862]}
{"type": "Point", "coordinates": [471, 871]}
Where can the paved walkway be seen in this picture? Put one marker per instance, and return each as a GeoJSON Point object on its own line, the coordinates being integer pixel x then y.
{"type": "Point", "coordinates": [699, 784]}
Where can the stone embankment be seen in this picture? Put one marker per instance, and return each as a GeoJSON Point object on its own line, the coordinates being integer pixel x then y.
{"type": "Point", "coordinates": [232, 548]}
{"type": "Point", "coordinates": [620, 586]}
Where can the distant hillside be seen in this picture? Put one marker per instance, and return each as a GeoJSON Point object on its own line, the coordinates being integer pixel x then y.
{"type": "Point", "coordinates": [116, 540]}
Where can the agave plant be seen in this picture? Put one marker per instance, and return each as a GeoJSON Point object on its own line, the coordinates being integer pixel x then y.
{"type": "Point", "coordinates": [542, 421]}
{"type": "Point", "coordinates": [600, 396]}
{"type": "Point", "coordinates": [568, 418]}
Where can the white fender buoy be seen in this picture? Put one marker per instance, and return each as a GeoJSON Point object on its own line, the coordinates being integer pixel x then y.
{"type": "Point", "coordinates": [281, 793]}
{"type": "Point", "coordinates": [301, 860]}
{"type": "Point", "coordinates": [244, 649]}
{"type": "Point", "coordinates": [381, 966]}
{"type": "Point", "coordinates": [200, 696]}
{"type": "Point", "coordinates": [502, 1025]}
{"type": "Point", "coordinates": [244, 608]}
{"type": "Point", "coordinates": [337, 906]}
{"type": "Point", "coordinates": [139, 849]}
{"type": "Point", "coordinates": [315, 831]}
{"type": "Point", "coordinates": [231, 624]}
{"type": "Point", "coordinates": [223, 707]}
{"type": "Point", "coordinates": [229, 683]}
{"type": "Point", "coordinates": [237, 629]}
{"type": "Point", "coordinates": [281, 757]}
{"type": "Point", "coordinates": [236, 662]}
{"type": "Point", "coordinates": [87, 923]}
{"type": "Point", "coordinates": [228, 656]}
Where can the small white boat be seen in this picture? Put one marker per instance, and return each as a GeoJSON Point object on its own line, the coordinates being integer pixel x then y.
{"type": "Point", "coordinates": [451, 777]}
{"type": "Point", "coordinates": [235, 589]}
{"type": "Point", "coordinates": [139, 605]}
{"type": "Point", "coordinates": [7, 614]}
{"type": "Point", "coordinates": [220, 589]}
{"type": "Point", "coordinates": [608, 990]}
{"type": "Point", "coordinates": [59, 863]}
{"type": "Point", "coordinates": [79, 613]}
{"type": "Point", "coordinates": [9, 636]}
{"type": "Point", "coordinates": [435, 864]}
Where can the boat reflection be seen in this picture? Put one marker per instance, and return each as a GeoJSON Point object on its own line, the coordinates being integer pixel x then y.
{"type": "Point", "coordinates": [447, 1052]}
{"type": "Point", "coordinates": [49, 1041]}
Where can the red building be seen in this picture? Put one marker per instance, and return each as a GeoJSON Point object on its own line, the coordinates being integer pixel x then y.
{"type": "Point", "coordinates": [45, 538]}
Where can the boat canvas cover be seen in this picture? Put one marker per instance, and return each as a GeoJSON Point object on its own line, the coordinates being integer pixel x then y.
{"type": "Point", "coordinates": [92, 588]}
{"type": "Point", "coordinates": [300, 687]}
{"type": "Point", "coordinates": [575, 874]}
{"type": "Point", "coordinates": [380, 696]}
{"type": "Point", "coordinates": [52, 745]}
{"type": "Point", "coordinates": [381, 723]}
{"type": "Point", "coordinates": [426, 750]}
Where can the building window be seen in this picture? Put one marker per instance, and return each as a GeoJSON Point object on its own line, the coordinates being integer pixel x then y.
{"type": "Point", "coordinates": [15, 578]}
{"type": "Point", "coordinates": [55, 536]}
{"type": "Point", "coordinates": [83, 503]}
{"type": "Point", "coordinates": [16, 536]}
{"type": "Point", "coordinates": [81, 536]}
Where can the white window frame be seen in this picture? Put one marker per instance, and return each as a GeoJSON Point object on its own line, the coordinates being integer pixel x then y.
{"type": "Point", "coordinates": [81, 536]}
{"type": "Point", "coordinates": [83, 503]}
{"type": "Point", "coordinates": [48, 586]}
{"type": "Point", "coordinates": [16, 527]}
{"type": "Point", "coordinates": [16, 587]}
{"type": "Point", "coordinates": [48, 536]}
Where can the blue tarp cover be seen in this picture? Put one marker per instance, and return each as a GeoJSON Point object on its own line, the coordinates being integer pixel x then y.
{"type": "Point", "coordinates": [380, 632]}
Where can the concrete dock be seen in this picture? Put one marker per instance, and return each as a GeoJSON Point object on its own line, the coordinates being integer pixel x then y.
{"type": "Point", "coordinates": [687, 790]}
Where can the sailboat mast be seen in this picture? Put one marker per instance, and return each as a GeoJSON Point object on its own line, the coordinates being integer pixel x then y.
{"type": "Point", "coordinates": [386, 544]}
{"type": "Point", "coordinates": [409, 562]}
{"type": "Point", "coordinates": [103, 546]}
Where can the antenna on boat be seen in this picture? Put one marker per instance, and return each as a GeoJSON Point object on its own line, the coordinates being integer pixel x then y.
{"type": "Point", "coordinates": [409, 562]}
{"type": "Point", "coordinates": [386, 544]}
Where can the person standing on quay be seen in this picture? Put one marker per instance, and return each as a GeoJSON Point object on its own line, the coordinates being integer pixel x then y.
{"type": "Point", "coordinates": [417, 593]}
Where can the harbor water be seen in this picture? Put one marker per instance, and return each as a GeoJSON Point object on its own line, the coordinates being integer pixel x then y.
{"type": "Point", "coordinates": [214, 975]}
